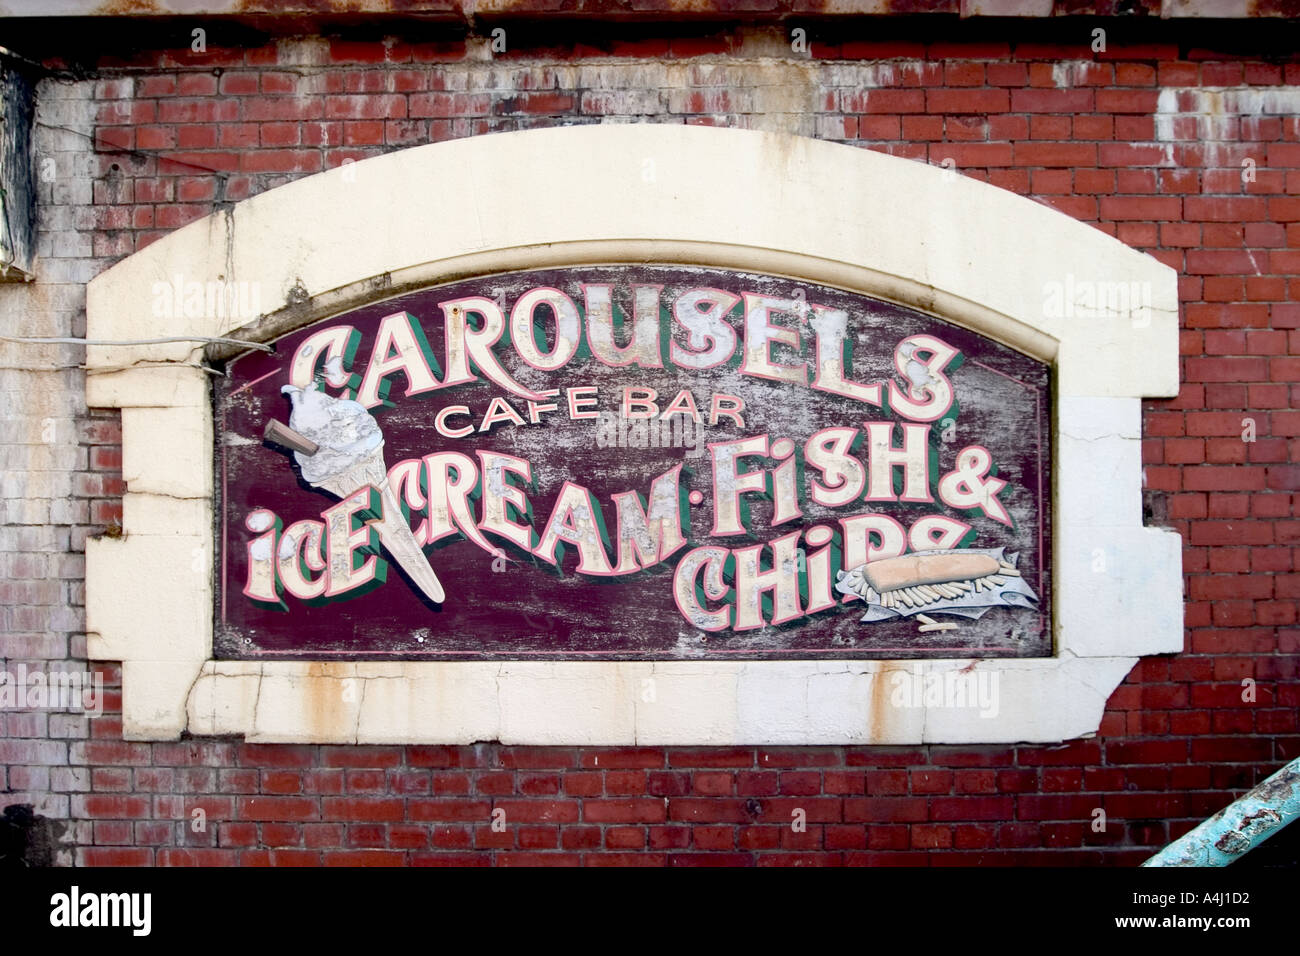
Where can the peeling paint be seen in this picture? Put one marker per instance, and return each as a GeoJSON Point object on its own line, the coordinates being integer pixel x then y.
{"type": "Point", "coordinates": [1240, 826]}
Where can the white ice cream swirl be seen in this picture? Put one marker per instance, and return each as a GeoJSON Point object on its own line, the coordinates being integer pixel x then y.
{"type": "Point", "coordinates": [346, 433]}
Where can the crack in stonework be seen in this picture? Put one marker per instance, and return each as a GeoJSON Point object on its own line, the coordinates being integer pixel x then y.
{"type": "Point", "coordinates": [925, 710]}
{"type": "Point", "coordinates": [1066, 434]}
{"type": "Point", "coordinates": [501, 720]}
{"type": "Point", "coordinates": [257, 697]}
{"type": "Point", "coordinates": [168, 494]}
{"type": "Point", "coordinates": [189, 694]}
{"type": "Point", "coordinates": [361, 703]}
{"type": "Point", "coordinates": [1099, 691]}
{"type": "Point", "coordinates": [636, 708]}
{"type": "Point", "coordinates": [1099, 694]}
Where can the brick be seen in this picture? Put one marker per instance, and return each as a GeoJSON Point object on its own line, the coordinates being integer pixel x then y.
{"type": "Point", "coordinates": [932, 781]}
{"type": "Point", "coordinates": [668, 837]}
{"type": "Point", "coordinates": [780, 758]}
{"type": "Point", "coordinates": [1055, 154]}
{"type": "Point", "coordinates": [647, 810]}
{"type": "Point", "coordinates": [1007, 74]}
{"type": "Point", "coordinates": [757, 784]}
{"type": "Point", "coordinates": [705, 810]}
{"type": "Point", "coordinates": [672, 784]}
{"type": "Point", "coordinates": [1016, 781]}
{"type": "Point", "coordinates": [539, 784]}
{"type": "Point", "coordinates": [539, 811]}
{"type": "Point", "coordinates": [42, 752]}
{"type": "Point", "coordinates": [626, 782]}
{"type": "Point", "coordinates": [176, 856]}
{"type": "Point", "coordinates": [1231, 749]}
{"type": "Point", "coordinates": [432, 756]}
{"type": "Point", "coordinates": [885, 809]}
{"type": "Point", "coordinates": [758, 838]}
{"type": "Point", "coordinates": [976, 154]}
{"type": "Point", "coordinates": [712, 784]}
{"type": "Point", "coordinates": [627, 758]}
{"type": "Point", "coordinates": [806, 783]}
{"type": "Point", "coordinates": [113, 833]}
{"type": "Point", "coordinates": [1147, 752]}
{"type": "Point", "coordinates": [437, 810]}
{"type": "Point", "coordinates": [1132, 207]}
{"type": "Point", "coordinates": [1127, 101]}
{"type": "Point", "coordinates": [538, 837]}
{"type": "Point", "coordinates": [538, 758]}
{"type": "Point", "coordinates": [931, 837]}
{"type": "Point", "coordinates": [538, 859]}
{"type": "Point", "coordinates": [972, 808]}
{"type": "Point", "coordinates": [1082, 752]}
{"type": "Point", "coordinates": [113, 806]}
{"type": "Point", "coordinates": [113, 856]}
{"type": "Point", "coordinates": [879, 127]}
{"type": "Point", "coordinates": [883, 757]}
{"type": "Point", "coordinates": [198, 111]}
{"type": "Point", "coordinates": [496, 784]}
{"type": "Point", "coordinates": [448, 105]}
{"type": "Point", "coordinates": [361, 756]}
{"type": "Point", "coordinates": [589, 838]}
{"type": "Point", "coordinates": [362, 808]}
{"type": "Point", "coordinates": [840, 782]}
{"type": "Point", "coordinates": [923, 128]}
{"type": "Point", "coordinates": [363, 858]}
{"type": "Point", "coordinates": [1233, 209]}
{"type": "Point", "coordinates": [584, 784]}
{"type": "Point", "coordinates": [281, 161]}
{"type": "Point", "coordinates": [966, 101]}
{"type": "Point", "coordinates": [277, 808]}
{"type": "Point", "coordinates": [1052, 101]}
{"type": "Point", "coordinates": [275, 755]}
{"type": "Point", "coordinates": [712, 757]}
{"type": "Point", "coordinates": [886, 101]}
{"type": "Point", "coordinates": [975, 781]}
{"type": "Point", "coordinates": [449, 859]}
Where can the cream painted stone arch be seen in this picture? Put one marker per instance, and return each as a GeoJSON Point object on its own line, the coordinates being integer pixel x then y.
{"type": "Point", "coordinates": [855, 219]}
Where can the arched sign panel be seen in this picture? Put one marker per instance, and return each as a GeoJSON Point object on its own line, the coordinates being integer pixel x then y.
{"type": "Point", "coordinates": [634, 462]}
{"type": "Point", "coordinates": [555, 494]}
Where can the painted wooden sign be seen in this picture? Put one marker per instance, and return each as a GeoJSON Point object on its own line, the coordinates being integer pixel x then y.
{"type": "Point", "coordinates": [634, 462]}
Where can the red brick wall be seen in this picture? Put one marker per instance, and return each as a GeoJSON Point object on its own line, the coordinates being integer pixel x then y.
{"type": "Point", "coordinates": [1177, 741]}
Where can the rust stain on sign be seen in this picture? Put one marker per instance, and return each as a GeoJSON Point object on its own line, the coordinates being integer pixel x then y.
{"type": "Point", "coordinates": [634, 462]}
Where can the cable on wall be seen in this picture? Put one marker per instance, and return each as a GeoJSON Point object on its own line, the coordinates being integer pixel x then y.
{"type": "Point", "coordinates": [108, 343]}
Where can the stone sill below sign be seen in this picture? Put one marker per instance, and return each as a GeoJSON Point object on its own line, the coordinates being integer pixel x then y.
{"type": "Point", "coordinates": [659, 703]}
{"type": "Point", "coordinates": [906, 232]}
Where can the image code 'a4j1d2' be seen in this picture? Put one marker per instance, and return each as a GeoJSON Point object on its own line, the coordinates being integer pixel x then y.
{"type": "Point", "coordinates": [634, 462]}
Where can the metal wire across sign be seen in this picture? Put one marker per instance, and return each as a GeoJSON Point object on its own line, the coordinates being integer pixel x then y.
{"type": "Point", "coordinates": [634, 462]}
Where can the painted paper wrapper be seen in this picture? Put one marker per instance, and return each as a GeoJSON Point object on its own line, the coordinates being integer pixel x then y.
{"type": "Point", "coordinates": [976, 595]}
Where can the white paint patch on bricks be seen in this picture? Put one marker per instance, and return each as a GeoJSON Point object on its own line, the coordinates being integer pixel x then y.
{"type": "Point", "coordinates": [1211, 113]}
{"type": "Point", "coordinates": [1223, 119]}
{"type": "Point", "coordinates": [1070, 73]}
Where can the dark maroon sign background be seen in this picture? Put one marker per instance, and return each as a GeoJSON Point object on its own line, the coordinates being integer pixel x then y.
{"type": "Point", "coordinates": [528, 610]}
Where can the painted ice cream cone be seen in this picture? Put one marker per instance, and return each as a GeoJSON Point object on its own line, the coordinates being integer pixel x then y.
{"type": "Point", "coordinates": [349, 455]}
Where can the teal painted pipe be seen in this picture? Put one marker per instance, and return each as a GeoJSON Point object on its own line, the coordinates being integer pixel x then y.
{"type": "Point", "coordinates": [1240, 827]}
